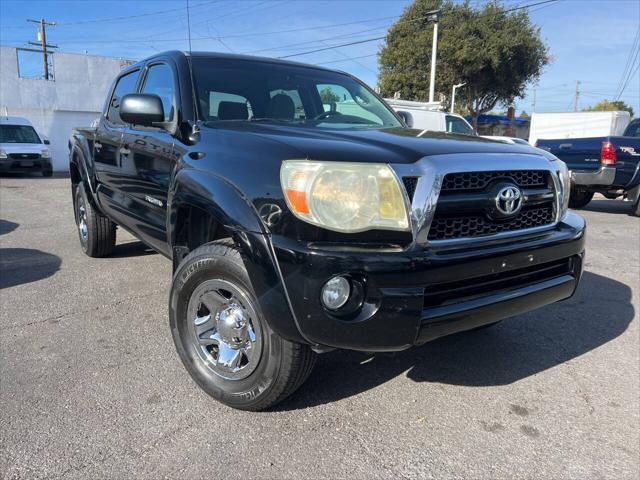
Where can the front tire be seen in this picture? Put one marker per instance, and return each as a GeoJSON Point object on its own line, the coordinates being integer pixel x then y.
{"type": "Point", "coordinates": [96, 232]}
{"type": "Point", "coordinates": [222, 337]}
{"type": "Point", "coordinates": [579, 198]}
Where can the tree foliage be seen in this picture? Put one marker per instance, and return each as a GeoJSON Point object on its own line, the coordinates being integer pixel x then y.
{"type": "Point", "coordinates": [328, 96]}
{"type": "Point", "coordinates": [497, 53]}
{"type": "Point", "coordinates": [607, 106]}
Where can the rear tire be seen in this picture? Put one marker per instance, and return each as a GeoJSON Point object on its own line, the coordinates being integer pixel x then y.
{"type": "Point", "coordinates": [96, 232]}
{"type": "Point", "coordinates": [222, 338]}
{"type": "Point", "coordinates": [579, 198]}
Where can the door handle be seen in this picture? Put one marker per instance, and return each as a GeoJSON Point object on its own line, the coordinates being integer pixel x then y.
{"type": "Point", "coordinates": [565, 146]}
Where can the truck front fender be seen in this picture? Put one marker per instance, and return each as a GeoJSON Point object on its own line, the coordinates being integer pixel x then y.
{"type": "Point", "coordinates": [226, 205]}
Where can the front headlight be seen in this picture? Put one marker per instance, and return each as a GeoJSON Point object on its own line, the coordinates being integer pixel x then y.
{"type": "Point", "coordinates": [345, 197]}
{"type": "Point", "coordinates": [46, 153]}
{"type": "Point", "coordinates": [3, 154]}
{"type": "Point", "coordinates": [565, 185]}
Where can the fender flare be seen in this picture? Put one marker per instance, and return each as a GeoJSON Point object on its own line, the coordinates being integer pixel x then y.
{"type": "Point", "coordinates": [230, 208]}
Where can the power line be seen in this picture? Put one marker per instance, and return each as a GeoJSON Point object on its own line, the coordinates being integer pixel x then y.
{"type": "Point", "coordinates": [380, 38]}
{"type": "Point", "coordinates": [347, 59]}
{"type": "Point", "coordinates": [628, 65]}
{"type": "Point", "coordinates": [332, 47]}
{"type": "Point", "coordinates": [128, 17]}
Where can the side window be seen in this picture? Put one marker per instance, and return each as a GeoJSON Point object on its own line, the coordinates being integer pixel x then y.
{"type": "Point", "coordinates": [160, 81]}
{"type": "Point", "coordinates": [126, 84]}
{"type": "Point", "coordinates": [457, 125]}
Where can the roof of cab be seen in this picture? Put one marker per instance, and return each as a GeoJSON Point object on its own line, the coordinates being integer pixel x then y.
{"type": "Point", "coordinates": [14, 121]}
{"type": "Point", "coordinates": [228, 56]}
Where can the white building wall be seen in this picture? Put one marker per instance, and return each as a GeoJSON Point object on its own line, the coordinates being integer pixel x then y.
{"type": "Point", "coordinates": [74, 98]}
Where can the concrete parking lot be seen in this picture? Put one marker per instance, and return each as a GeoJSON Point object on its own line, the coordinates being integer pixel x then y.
{"type": "Point", "coordinates": [90, 384]}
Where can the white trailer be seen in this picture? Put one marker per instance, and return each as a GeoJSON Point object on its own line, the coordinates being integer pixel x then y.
{"type": "Point", "coordinates": [557, 126]}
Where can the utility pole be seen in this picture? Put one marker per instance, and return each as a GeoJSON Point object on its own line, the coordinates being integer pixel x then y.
{"type": "Point", "coordinates": [433, 16]}
{"type": "Point", "coordinates": [43, 43]}
{"type": "Point", "coordinates": [453, 94]}
{"type": "Point", "coordinates": [534, 99]}
{"type": "Point", "coordinates": [575, 105]}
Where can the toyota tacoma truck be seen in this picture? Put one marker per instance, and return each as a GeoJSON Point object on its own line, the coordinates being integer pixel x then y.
{"type": "Point", "coordinates": [295, 229]}
{"type": "Point", "coordinates": [607, 165]}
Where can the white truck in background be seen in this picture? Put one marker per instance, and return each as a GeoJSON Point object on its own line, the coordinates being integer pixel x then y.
{"type": "Point", "coordinates": [428, 116]}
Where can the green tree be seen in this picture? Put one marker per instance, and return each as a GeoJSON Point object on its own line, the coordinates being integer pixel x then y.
{"type": "Point", "coordinates": [607, 106]}
{"type": "Point", "coordinates": [497, 53]}
{"type": "Point", "coordinates": [327, 95]}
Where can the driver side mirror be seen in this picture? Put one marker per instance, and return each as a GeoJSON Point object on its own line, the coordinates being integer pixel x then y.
{"type": "Point", "coordinates": [407, 117]}
{"type": "Point", "coordinates": [46, 142]}
{"type": "Point", "coordinates": [144, 109]}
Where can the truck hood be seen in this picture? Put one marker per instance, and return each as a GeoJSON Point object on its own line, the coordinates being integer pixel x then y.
{"type": "Point", "coordinates": [390, 145]}
{"type": "Point", "coordinates": [23, 147]}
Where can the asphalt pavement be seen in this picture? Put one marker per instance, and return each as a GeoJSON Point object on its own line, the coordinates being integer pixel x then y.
{"type": "Point", "coordinates": [91, 386]}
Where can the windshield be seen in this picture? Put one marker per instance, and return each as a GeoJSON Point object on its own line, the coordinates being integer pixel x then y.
{"type": "Point", "coordinates": [241, 90]}
{"type": "Point", "coordinates": [18, 134]}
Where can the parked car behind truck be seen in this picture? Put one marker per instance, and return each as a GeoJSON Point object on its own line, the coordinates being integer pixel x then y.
{"type": "Point", "coordinates": [22, 150]}
{"type": "Point", "coordinates": [609, 165]}
{"type": "Point", "coordinates": [295, 229]}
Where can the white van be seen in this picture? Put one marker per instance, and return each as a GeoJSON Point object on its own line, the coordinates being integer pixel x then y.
{"type": "Point", "coordinates": [22, 150]}
{"type": "Point", "coordinates": [427, 116]}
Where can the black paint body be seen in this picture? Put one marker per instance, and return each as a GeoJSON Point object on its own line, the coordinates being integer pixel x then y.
{"type": "Point", "coordinates": [231, 171]}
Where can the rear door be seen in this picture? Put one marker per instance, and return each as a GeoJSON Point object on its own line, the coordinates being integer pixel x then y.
{"type": "Point", "coordinates": [147, 160]}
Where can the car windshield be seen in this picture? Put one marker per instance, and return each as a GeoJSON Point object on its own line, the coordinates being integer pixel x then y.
{"type": "Point", "coordinates": [18, 134]}
{"type": "Point", "coordinates": [243, 90]}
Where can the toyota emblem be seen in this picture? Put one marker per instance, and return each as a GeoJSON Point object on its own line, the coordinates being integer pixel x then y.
{"type": "Point", "coordinates": [509, 200]}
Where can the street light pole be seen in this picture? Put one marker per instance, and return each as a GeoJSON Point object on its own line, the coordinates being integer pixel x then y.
{"type": "Point", "coordinates": [434, 17]}
{"type": "Point", "coordinates": [453, 94]}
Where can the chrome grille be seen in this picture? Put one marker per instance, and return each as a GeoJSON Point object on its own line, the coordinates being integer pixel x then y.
{"type": "Point", "coordinates": [464, 181]}
{"type": "Point", "coordinates": [465, 203]}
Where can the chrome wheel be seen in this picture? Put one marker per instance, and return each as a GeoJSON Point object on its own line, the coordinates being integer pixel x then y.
{"type": "Point", "coordinates": [83, 228]}
{"type": "Point", "coordinates": [225, 330]}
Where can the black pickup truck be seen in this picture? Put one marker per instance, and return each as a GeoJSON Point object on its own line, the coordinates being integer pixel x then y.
{"type": "Point", "coordinates": [607, 165]}
{"type": "Point", "coordinates": [298, 224]}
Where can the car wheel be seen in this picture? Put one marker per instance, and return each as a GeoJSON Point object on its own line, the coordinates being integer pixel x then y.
{"type": "Point", "coordinates": [579, 198]}
{"type": "Point", "coordinates": [222, 337]}
{"type": "Point", "coordinates": [96, 232]}
{"type": "Point", "coordinates": [47, 173]}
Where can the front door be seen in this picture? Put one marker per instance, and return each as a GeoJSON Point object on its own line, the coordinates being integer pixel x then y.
{"type": "Point", "coordinates": [147, 160]}
{"type": "Point", "coordinates": [107, 143]}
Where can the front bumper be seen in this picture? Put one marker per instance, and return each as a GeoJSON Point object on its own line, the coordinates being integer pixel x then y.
{"type": "Point", "coordinates": [411, 297]}
{"type": "Point", "coordinates": [24, 166]}
{"type": "Point", "coordinates": [603, 176]}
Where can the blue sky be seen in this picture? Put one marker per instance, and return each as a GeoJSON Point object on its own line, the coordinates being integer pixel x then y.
{"type": "Point", "coordinates": [589, 40]}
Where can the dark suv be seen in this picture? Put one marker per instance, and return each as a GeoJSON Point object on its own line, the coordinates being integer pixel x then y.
{"type": "Point", "coordinates": [302, 215]}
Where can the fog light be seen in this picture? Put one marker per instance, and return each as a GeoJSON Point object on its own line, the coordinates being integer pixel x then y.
{"type": "Point", "coordinates": [335, 293]}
